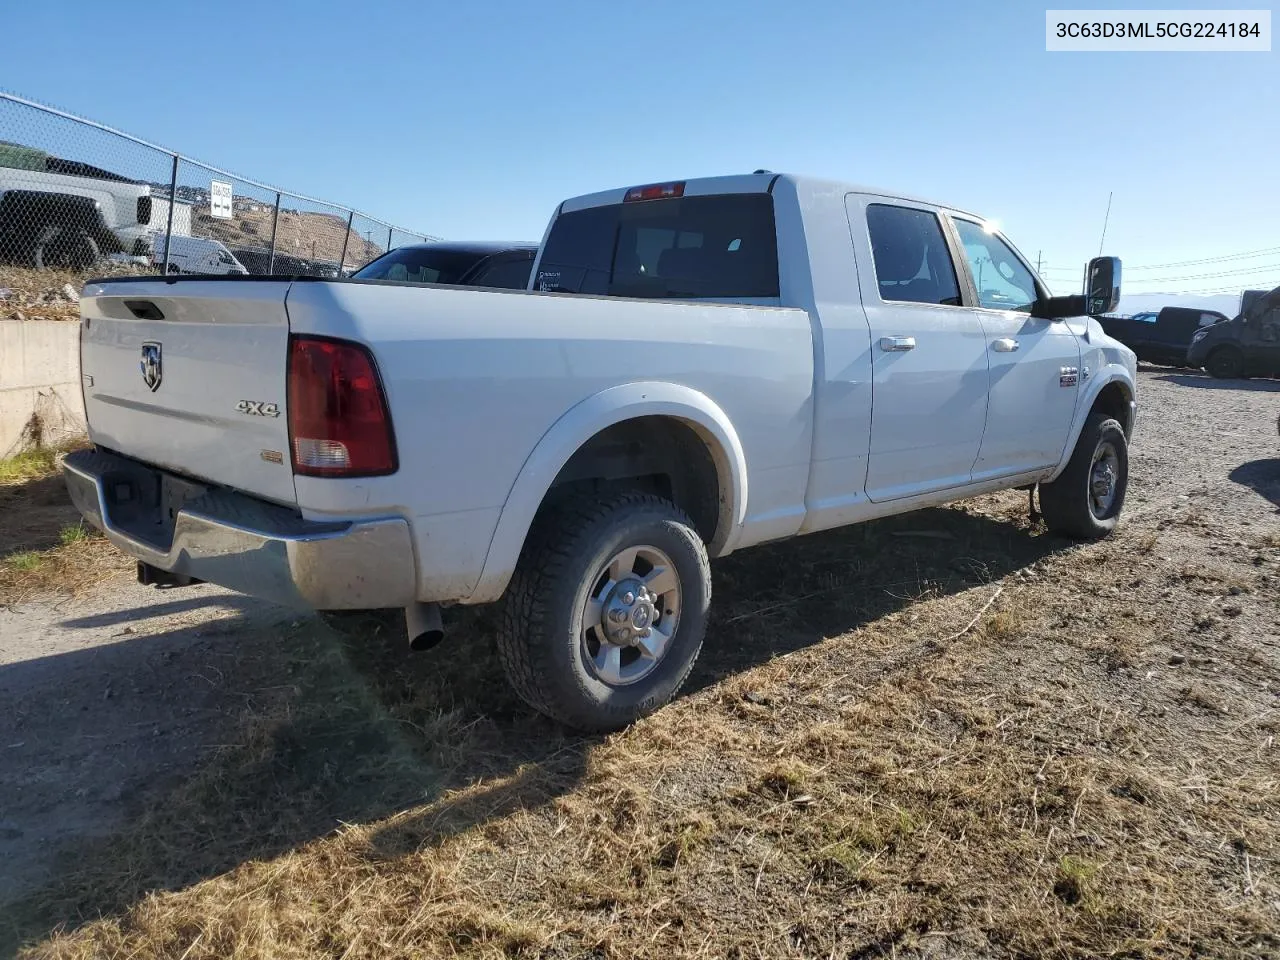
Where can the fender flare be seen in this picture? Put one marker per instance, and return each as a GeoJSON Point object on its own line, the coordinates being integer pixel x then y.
{"type": "Point", "coordinates": [1111, 373]}
{"type": "Point", "coordinates": [614, 405]}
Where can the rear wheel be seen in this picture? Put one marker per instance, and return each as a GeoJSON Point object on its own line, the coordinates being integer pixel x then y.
{"type": "Point", "coordinates": [1226, 363]}
{"type": "Point", "coordinates": [1085, 501]}
{"type": "Point", "coordinates": [62, 247]}
{"type": "Point", "coordinates": [606, 612]}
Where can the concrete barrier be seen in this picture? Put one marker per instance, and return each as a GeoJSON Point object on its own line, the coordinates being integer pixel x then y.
{"type": "Point", "coordinates": [40, 398]}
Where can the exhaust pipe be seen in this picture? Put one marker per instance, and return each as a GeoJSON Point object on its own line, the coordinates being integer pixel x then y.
{"type": "Point", "coordinates": [426, 629]}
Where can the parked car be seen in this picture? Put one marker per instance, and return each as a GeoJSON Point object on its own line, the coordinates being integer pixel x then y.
{"type": "Point", "coordinates": [1161, 337]}
{"type": "Point", "coordinates": [475, 264]}
{"type": "Point", "coordinates": [733, 361]}
{"type": "Point", "coordinates": [69, 215]}
{"type": "Point", "coordinates": [260, 263]}
{"type": "Point", "coordinates": [1246, 346]}
{"type": "Point", "coordinates": [195, 255]}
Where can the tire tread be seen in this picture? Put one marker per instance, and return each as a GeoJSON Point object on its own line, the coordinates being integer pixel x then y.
{"type": "Point", "coordinates": [1065, 511]}
{"type": "Point", "coordinates": [557, 537]}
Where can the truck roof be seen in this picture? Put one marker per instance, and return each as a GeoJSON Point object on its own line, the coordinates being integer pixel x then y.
{"type": "Point", "coordinates": [478, 247]}
{"type": "Point", "coordinates": [762, 182]}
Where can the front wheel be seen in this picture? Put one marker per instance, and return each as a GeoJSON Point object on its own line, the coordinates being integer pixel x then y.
{"type": "Point", "coordinates": [1085, 501]}
{"type": "Point", "coordinates": [1226, 363]}
{"type": "Point", "coordinates": [605, 615]}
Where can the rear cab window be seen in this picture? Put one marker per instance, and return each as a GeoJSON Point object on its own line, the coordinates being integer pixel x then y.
{"type": "Point", "coordinates": [913, 263]}
{"type": "Point", "coordinates": [716, 247]}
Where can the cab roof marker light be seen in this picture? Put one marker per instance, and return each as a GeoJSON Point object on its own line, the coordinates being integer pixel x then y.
{"type": "Point", "coordinates": [655, 191]}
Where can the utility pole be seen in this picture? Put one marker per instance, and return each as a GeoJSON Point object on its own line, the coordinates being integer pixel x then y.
{"type": "Point", "coordinates": [1038, 254]}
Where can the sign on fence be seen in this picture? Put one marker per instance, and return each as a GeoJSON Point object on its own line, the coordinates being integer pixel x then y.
{"type": "Point", "coordinates": [220, 199]}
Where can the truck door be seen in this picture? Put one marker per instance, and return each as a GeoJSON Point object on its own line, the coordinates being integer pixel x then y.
{"type": "Point", "coordinates": [1034, 363]}
{"type": "Point", "coordinates": [1262, 342]}
{"type": "Point", "coordinates": [928, 352]}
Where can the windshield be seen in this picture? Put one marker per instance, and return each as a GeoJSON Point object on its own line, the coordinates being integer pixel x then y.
{"type": "Point", "coordinates": [420, 265]}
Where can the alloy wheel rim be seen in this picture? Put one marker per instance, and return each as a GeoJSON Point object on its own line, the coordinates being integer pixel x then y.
{"type": "Point", "coordinates": [1104, 479]}
{"type": "Point", "coordinates": [631, 615]}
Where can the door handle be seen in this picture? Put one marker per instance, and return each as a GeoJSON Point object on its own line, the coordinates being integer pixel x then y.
{"type": "Point", "coordinates": [1004, 345]}
{"type": "Point", "coordinates": [897, 344]}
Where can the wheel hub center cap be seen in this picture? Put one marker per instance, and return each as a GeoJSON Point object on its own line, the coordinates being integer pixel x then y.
{"type": "Point", "coordinates": [629, 613]}
{"type": "Point", "coordinates": [1103, 482]}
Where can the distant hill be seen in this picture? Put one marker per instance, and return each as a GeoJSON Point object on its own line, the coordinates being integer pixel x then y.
{"type": "Point", "coordinates": [313, 236]}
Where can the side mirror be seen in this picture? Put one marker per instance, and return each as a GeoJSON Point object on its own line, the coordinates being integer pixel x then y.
{"type": "Point", "coordinates": [1102, 286]}
{"type": "Point", "coordinates": [1058, 308]}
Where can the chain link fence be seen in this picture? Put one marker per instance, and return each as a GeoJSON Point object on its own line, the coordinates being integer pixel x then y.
{"type": "Point", "coordinates": [81, 198]}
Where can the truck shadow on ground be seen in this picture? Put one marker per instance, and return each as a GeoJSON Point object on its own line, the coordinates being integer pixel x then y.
{"type": "Point", "coordinates": [36, 513]}
{"type": "Point", "coordinates": [1207, 382]}
{"type": "Point", "coordinates": [1260, 476]}
{"type": "Point", "coordinates": [316, 723]}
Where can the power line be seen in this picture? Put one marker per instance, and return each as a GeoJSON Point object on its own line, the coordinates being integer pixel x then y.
{"type": "Point", "coordinates": [1245, 271]}
{"type": "Point", "coordinates": [1191, 263]}
{"type": "Point", "coordinates": [1247, 255]}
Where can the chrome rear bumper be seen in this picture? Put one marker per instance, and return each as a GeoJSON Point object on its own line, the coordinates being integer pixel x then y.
{"type": "Point", "coordinates": [240, 542]}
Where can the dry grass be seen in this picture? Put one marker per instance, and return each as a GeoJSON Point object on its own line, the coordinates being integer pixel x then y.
{"type": "Point", "coordinates": [45, 548]}
{"type": "Point", "coordinates": [896, 766]}
{"type": "Point", "coordinates": [29, 465]}
{"type": "Point", "coordinates": [40, 294]}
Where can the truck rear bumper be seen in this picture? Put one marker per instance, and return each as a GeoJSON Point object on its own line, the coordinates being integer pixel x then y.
{"type": "Point", "coordinates": [240, 542]}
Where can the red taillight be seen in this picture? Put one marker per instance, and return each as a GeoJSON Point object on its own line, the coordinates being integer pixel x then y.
{"type": "Point", "coordinates": [655, 191]}
{"type": "Point", "coordinates": [338, 420]}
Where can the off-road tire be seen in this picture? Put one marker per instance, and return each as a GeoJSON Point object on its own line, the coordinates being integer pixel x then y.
{"type": "Point", "coordinates": [1225, 363]}
{"type": "Point", "coordinates": [540, 631]}
{"type": "Point", "coordinates": [82, 251]}
{"type": "Point", "coordinates": [1066, 503]}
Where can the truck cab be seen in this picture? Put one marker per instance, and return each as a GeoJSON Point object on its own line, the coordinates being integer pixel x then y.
{"type": "Point", "coordinates": [1245, 346]}
{"type": "Point", "coordinates": [914, 307]}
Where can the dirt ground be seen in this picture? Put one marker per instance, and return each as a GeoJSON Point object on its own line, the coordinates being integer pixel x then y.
{"type": "Point", "coordinates": [941, 735]}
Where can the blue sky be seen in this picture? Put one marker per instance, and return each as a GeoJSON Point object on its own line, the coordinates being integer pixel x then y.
{"type": "Point", "coordinates": [474, 120]}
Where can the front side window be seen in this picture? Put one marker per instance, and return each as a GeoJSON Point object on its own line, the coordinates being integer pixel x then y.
{"type": "Point", "coordinates": [719, 247]}
{"type": "Point", "coordinates": [1003, 283]}
{"type": "Point", "coordinates": [912, 261]}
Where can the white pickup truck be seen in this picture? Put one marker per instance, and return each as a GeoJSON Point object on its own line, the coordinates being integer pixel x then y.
{"type": "Point", "coordinates": [62, 214]}
{"type": "Point", "coordinates": [700, 367]}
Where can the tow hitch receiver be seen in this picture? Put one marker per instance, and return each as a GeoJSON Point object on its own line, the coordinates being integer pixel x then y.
{"type": "Point", "coordinates": [150, 576]}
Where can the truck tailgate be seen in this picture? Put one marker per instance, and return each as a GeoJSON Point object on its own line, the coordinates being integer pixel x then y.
{"type": "Point", "coordinates": [190, 375]}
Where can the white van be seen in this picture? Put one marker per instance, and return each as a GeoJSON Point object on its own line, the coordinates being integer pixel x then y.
{"type": "Point", "coordinates": [195, 255]}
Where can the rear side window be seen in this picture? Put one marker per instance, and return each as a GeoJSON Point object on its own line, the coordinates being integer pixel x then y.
{"type": "Point", "coordinates": [913, 263]}
{"type": "Point", "coordinates": [715, 247]}
{"type": "Point", "coordinates": [418, 265]}
{"type": "Point", "coordinates": [505, 274]}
